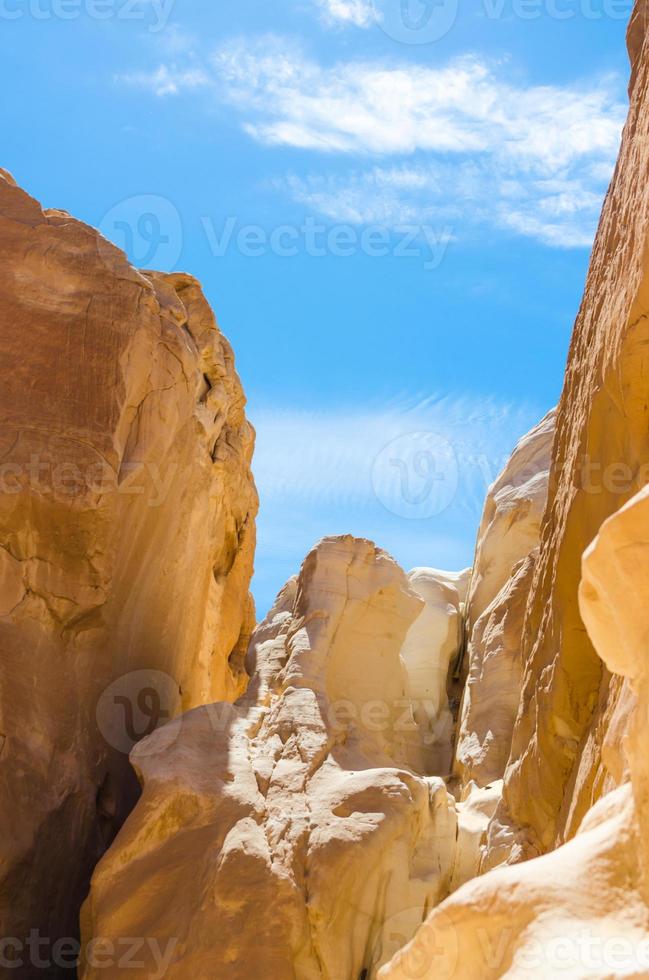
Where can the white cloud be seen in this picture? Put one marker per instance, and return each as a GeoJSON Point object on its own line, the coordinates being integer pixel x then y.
{"type": "Point", "coordinates": [560, 212]}
{"type": "Point", "coordinates": [360, 13]}
{"type": "Point", "coordinates": [471, 142]}
{"type": "Point", "coordinates": [465, 106]}
{"type": "Point", "coordinates": [167, 79]}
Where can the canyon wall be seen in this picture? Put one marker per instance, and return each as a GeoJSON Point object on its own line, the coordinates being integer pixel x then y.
{"type": "Point", "coordinates": [576, 786]}
{"type": "Point", "coordinates": [565, 752]}
{"type": "Point", "coordinates": [127, 513]}
{"type": "Point", "coordinates": [505, 558]}
{"type": "Point", "coordinates": [329, 823]}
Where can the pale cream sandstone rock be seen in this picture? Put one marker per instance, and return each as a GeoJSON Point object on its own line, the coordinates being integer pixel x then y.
{"type": "Point", "coordinates": [290, 835]}
{"type": "Point", "coordinates": [577, 912]}
{"type": "Point", "coordinates": [495, 678]}
{"type": "Point", "coordinates": [511, 520]}
{"type": "Point", "coordinates": [127, 514]}
{"type": "Point", "coordinates": [580, 911]}
{"type": "Point", "coordinates": [431, 646]}
{"type": "Point", "coordinates": [506, 552]}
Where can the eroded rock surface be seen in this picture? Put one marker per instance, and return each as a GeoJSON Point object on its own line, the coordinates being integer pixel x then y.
{"type": "Point", "coordinates": [295, 833]}
{"type": "Point", "coordinates": [581, 910]}
{"type": "Point", "coordinates": [506, 554]}
{"type": "Point", "coordinates": [127, 514]}
{"type": "Point", "coordinates": [562, 760]}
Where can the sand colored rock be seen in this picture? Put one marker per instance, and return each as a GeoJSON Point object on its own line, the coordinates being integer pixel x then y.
{"type": "Point", "coordinates": [580, 911]}
{"type": "Point", "coordinates": [294, 833]}
{"type": "Point", "coordinates": [431, 646]}
{"type": "Point", "coordinates": [127, 515]}
{"type": "Point", "coordinates": [511, 521]}
{"type": "Point", "coordinates": [613, 602]}
{"type": "Point", "coordinates": [572, 713]}
{"type": "Point", "coordinates": [506, 555]}
{"type": "Point", "coordinates": [577, 912]}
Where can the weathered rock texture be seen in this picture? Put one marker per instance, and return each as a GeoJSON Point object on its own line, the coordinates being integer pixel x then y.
{"type": "Point", "coordinates": [582, 910]}
{"type": "Point", "coordinates": [295, 833]}
{"type": "Point", "coordinates": [561, 761]}
{"type": "Point", "coordinates": [432, 643]}
{"type": "Point", "coordinates": [126, 539]}
{"type": "Point", "coordinates": [505, 559]}
{"type": "Point", "coordinates": [578, 770]}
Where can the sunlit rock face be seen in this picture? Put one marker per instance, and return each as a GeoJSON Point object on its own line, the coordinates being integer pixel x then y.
{"type": "Point", "coordinates": [127, 514]}
{"type": "Point", "coordinates": [506, 555]}
{"type": "Point", "coordinates": [299, 832]}
{"type": "Point", "coordinates": [511, 520]}
{"type": "Point", "coordinates": [578, 770]}
{"type": "Point", "coordinates": [431, 645]}
{"type": "Point", "coordinates": [572, 712]}
{"type": "Point", "coordinates": [581, 910]}
{"type": "Point", "coordinates": [613, 602]}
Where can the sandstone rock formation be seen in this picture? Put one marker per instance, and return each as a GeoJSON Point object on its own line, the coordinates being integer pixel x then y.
{"type": "Point", "coordinates": [295, 833]}
{"type": "Point", "coordinates": [577, 771]}
{"type": "Point", "coordinates": [577, 912]}
{"type": "Point", "coordinates": [431, 645]}
{"type": "Point", "coordinates": [582, 910]}
{"type": "Point", "coordinates": [127, 515]}
{"type": "Point", "coordinates": [314, 829]}
{"type": "Point", "coordinates": [563, 758]}
{"type": "Point", "coordinates": [505, 558]}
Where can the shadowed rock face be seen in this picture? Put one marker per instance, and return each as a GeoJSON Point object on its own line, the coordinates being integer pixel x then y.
{"type": "Point", "coordinates": [127, 515]}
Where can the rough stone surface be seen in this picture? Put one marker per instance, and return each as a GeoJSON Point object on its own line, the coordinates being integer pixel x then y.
{"type": "Point", "coordinates": [293, 834]}
{"type": "Point", "coordinates": [577, 912]}
{"type": "Point", "coordinates": [127, 515]}
{"type": "Point", "coordinates": [506, 555]}
{"type": "Point", "coordinates": [431, 645]}
{"type": "Point", "coordinates": [581, 910]}
{"type": "Point", "coordinates": [511, 521]}
{"type": "Point", "coordinates": [562, 757]}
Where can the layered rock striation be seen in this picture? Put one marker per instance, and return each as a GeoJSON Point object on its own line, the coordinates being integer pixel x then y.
{"type": "Point", "coordinates": [127, 524]}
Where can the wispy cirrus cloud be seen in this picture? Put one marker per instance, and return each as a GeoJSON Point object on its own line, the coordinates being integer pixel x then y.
{"type": "Point", "coordinates": [465, 106]}
{"type": "Point", "coordinates": [465, 138]}
{"type": "Point", "coordinates": [332, 472]}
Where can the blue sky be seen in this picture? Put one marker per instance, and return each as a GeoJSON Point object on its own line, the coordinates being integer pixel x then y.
{"type": "Point", "coordinates": [390, 207]}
